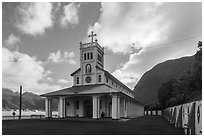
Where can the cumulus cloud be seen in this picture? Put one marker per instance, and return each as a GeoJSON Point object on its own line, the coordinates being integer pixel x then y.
{"type": "Point", "coordinates": [12, 42]}
{"type": "Point", "coordinates": [131, 26]}
{"type": "Point", "coordinates": [29, 74]}
{"type": "Point", "coordinates": [33, 18]}
{"type": "Point", "coordinates": [135, 27]}
{"type": "Point", "coordinates": [63, 81]}
{"type": "Point", "coordinates": [70, 14]}
{"type": "Point", "coordinates": [59, 58]}
{"type": "Point", "coordinates": [49, 79]}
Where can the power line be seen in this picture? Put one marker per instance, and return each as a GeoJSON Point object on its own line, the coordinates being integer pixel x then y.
{"type": "Point", "coordinates": [176, 41]}
{"type": "Point", "coordinates": [110, 53]}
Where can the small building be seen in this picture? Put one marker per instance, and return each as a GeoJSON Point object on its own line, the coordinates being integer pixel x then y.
{"type": "Point", "coordinates": [95, 92]}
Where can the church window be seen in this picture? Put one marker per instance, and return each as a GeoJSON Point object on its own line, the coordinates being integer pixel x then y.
{"type": "Point", "coordinates": [88, 68]}
{"type": "Point", "coordinates": [91, 55]}
{"type": "Point", "coordinates": [84, 56]}
{"type": "Point", "coordinates": [112, 82]}
{"type": "Point", "coordinates": [88, 56]}
{"type": "Point", "coordinates": [106, 80]}
{"type": "Point", "coordinates": [77, 80]}
{"type": "Point", "coordinates": [77, 104]}
{"type": "Point", "coordinates": [125, 105]}
{"type": "Point", "coordinates": [99, 78]}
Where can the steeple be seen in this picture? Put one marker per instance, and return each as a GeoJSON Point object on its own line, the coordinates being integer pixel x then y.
{"type": "Point", "coordinates": [91, 55]}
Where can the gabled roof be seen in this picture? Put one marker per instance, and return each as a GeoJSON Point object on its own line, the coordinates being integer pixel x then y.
{"type": "Point", "coordinates": [81, 89]}
{"type": "Point", "coordinates": [84, 89]}
{"type": "Point", "coordinates": [78, 70]}
{"type": "Point", "coordinates": [115, 79]}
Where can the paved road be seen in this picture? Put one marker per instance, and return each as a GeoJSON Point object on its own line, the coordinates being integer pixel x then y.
{"type": "Point", "coordinates": [147, 125]}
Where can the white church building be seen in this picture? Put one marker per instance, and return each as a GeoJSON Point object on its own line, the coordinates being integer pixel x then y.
{"type": "Point", "coordinates": [95, 92]}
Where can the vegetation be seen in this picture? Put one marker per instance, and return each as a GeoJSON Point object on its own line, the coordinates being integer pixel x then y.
{"type": "Point", "coordinates": [146, 90]}
{"type": "Point", "coordinates": [181, 90]}
{"type": "Point", "coordinates": [31, 101]}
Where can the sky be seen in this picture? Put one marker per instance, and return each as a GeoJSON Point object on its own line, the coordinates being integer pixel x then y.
{"type": "Point", "coordinates": [40, 41]}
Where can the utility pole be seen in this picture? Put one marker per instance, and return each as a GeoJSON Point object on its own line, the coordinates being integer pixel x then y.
{"type": "Point", "coordinates": [20, 102]}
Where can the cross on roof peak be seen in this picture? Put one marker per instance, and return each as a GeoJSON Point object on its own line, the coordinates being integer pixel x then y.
{"type": "Point", "coordinates": [92, 35]}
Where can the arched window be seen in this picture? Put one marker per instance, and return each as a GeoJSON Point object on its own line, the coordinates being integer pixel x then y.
{"type": "Point", "coordinates": [88, 68]}
{"type": "Point", "coordinates": [99, 78]}
{"type": "Point", "coordinates": [77, 80]}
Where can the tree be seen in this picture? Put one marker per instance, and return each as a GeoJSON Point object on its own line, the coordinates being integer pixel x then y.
{"type": "Point", "coordinates": [198, 67]}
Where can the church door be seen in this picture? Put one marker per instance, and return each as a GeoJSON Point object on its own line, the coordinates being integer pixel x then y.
{"type": "Point", "coordinates": [88, 108]}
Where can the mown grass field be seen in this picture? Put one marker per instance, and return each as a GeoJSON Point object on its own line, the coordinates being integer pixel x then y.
{"type": "Point", "coordinates": [146, 125]}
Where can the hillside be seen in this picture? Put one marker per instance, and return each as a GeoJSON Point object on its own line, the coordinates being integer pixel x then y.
{"type": "Point", "coordinates": [146, 89]}
{"type": "Point", "coordinates": [31, 101]}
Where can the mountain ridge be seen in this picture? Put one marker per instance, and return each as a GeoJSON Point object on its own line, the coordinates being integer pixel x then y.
{"type": "Point", "coordinates": [145, 90]}
{"type": "Point", "coordinates": [31, 101]}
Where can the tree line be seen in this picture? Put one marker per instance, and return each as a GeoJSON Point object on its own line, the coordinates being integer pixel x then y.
{"type": "Point", "coordinates": [182, 89]}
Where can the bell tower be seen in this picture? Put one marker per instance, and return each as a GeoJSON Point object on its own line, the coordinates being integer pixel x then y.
{"type": "Point", "coordinates": [91, 55]}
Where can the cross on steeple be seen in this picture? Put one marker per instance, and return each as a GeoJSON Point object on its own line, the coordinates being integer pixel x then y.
{"type": "Point", "coordinates": [92, 35]}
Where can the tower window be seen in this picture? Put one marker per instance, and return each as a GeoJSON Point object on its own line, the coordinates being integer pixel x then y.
{"type": "Point", "coordinates": [88, 56]}
{"type": "Point", "coordinates": [99, 78]}
{"type": "Point", "coordinates": [77, 80]}
{"type": "Point", "coordinates": [99, 58]}
{"type": "Point", "coordinates": [84, 56]}
{"type": "Point", "coordinates": [91, 55]}
{"type": "Point", "coordinates": [88, 68]}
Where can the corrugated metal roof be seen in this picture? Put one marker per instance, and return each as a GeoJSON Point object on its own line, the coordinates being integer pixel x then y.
{"type": "Point", "coordinates": [81, 89]}
{"type": "Point", "coordinates": [116, 80]}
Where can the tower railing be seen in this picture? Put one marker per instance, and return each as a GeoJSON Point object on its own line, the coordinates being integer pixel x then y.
{"type": "Point", "coordinates": [90, 44]}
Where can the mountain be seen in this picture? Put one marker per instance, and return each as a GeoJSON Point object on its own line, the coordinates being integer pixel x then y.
{"type": "Point", "coordinates": [145, 90]}
{"type": "Point", "coordinates": [10, 99]}
{"type": "Point", "coordinates": [31, 101]}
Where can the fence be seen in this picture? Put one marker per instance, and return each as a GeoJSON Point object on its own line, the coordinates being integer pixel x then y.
{"type": "Point", "coordinates": [26, 117]}
{"type": "Point", "coordinates": [187, 116]}
{"type": "Point", "coordinates": [154, 112]}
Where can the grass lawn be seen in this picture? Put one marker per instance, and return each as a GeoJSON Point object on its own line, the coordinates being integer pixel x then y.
{"type": "Point", "coordinates": [147, 125]}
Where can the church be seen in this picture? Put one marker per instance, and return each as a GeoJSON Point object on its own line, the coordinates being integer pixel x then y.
{"type": "Point", "coordinates": [95, 92]}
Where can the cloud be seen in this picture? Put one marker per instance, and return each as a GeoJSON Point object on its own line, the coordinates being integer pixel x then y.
{"type": "Point", "coordinates": [33, 18]}
{"type": "Point", "coordinates": [49, 79]}
{"type": "Point", "coordinates": [133, 28]}
{"type": "Point", "coordinates": [63, 81]}
{"type": "Point", "coordinates": [30, 74]}
{"type": "Point", "coordinates": [70, 14]}
{"type": "Point", "coordinates": [58, 58]}
{"type": "Point", "coordinates": [12, 42]}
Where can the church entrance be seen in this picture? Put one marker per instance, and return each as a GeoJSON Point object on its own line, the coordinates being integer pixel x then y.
{"type": "Point", "coordinates": [88, 108]}
{"type": "Point", "coordinates": [110, 109]}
